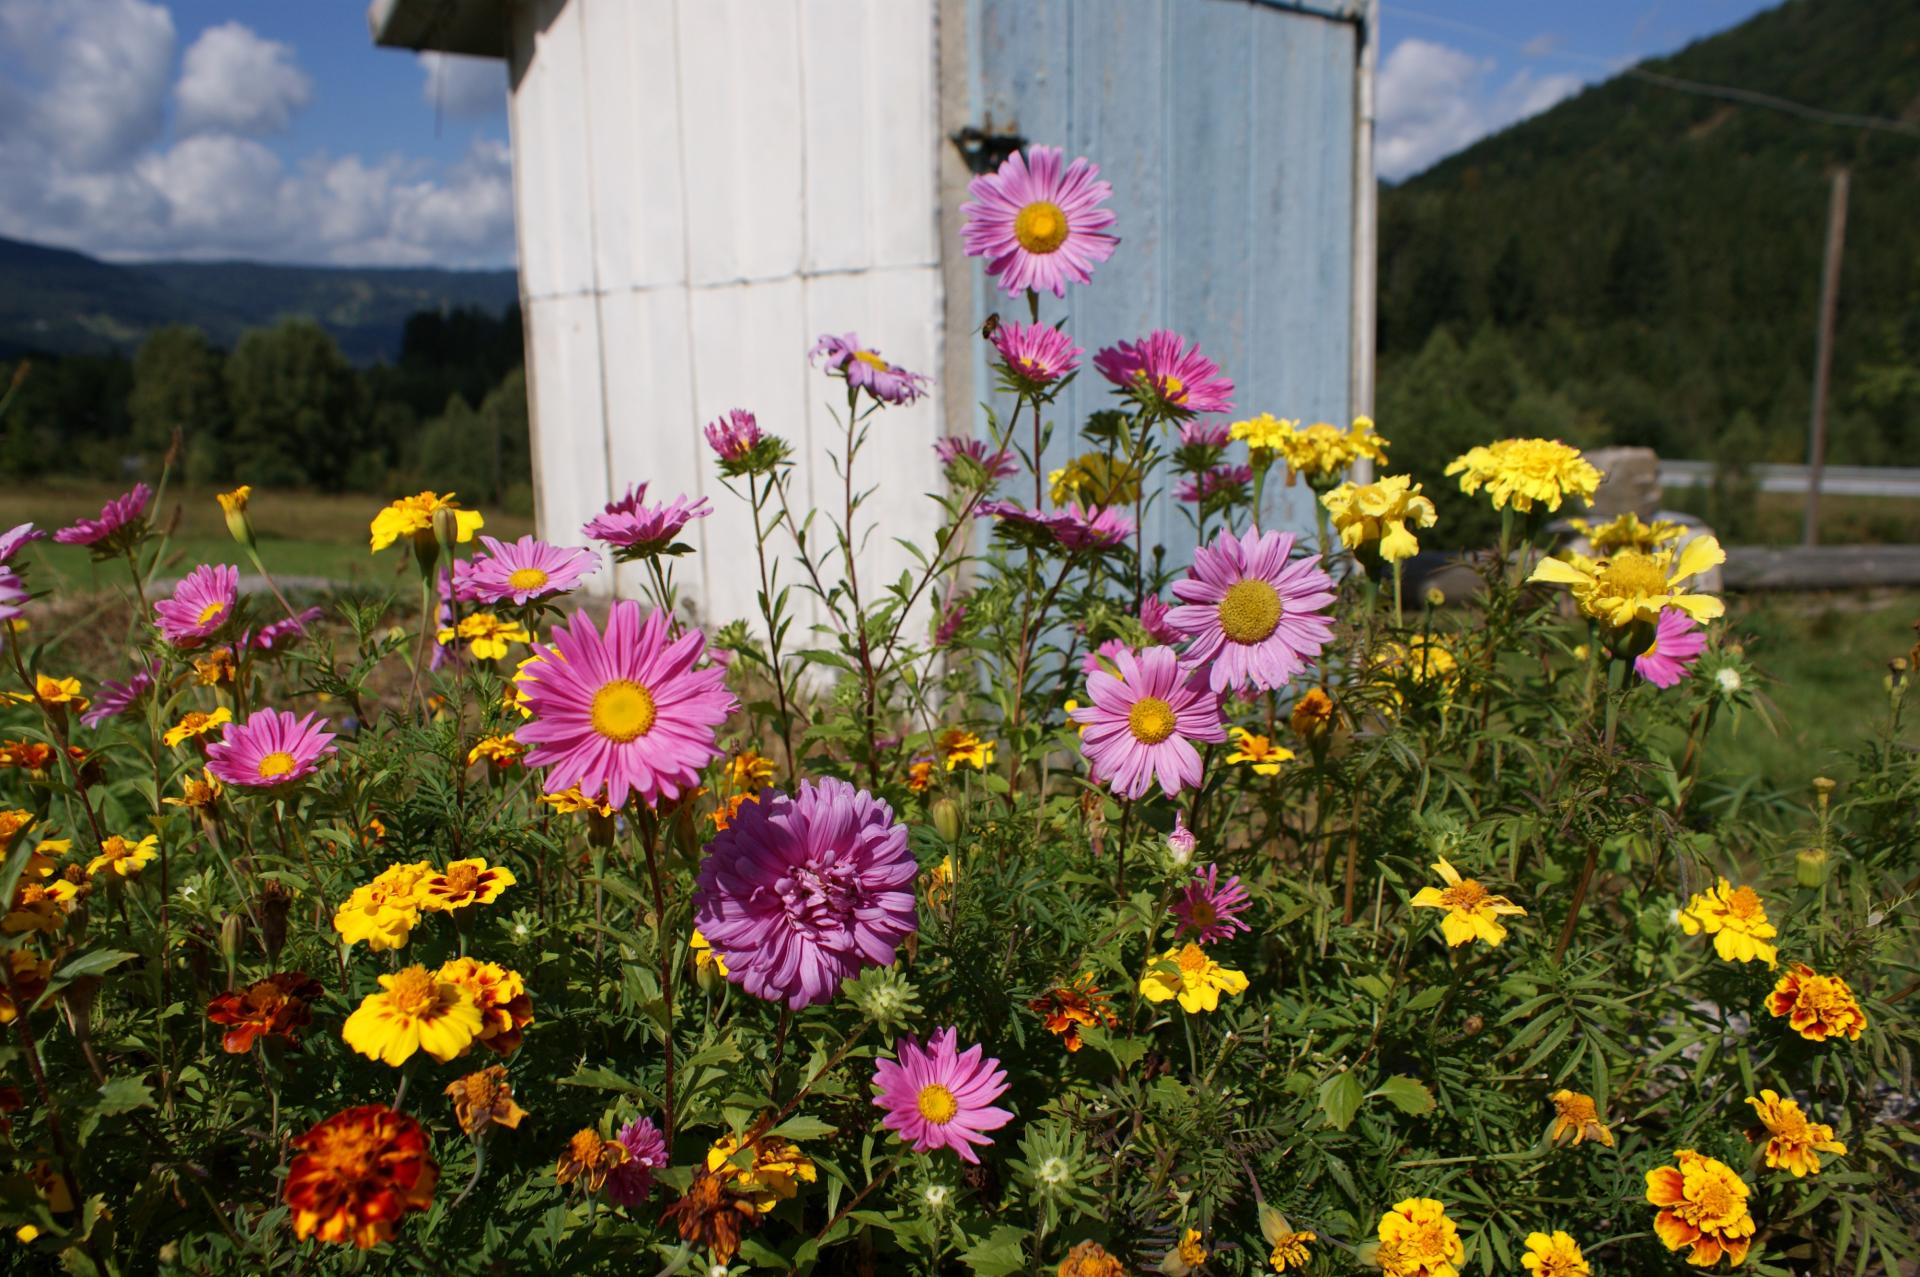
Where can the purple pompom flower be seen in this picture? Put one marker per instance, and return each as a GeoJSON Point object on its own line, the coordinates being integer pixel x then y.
{"type": "Point", "coordinates": [1253, 618]}
{"type": "Point", "coordinates": [937, 1096]}
{"type": "Point", "coordinates": [1176, 377]}
{"type": "Point", "coordinates": [270, 750]}
{"type": "Point", "coordinates": [202, 604]}
{"type": "Point", "coordinates": [865, 370]}
{"type": "Point", "coordinates": [635, 529]}
{"type": "Point", "coordinates": [525, 570]}
{"type": "Point", "coordinates": [1142, 724]}
{"type": "Point", "coordinates": [119, 521]}
{"type": "Point", "coordinates": [629, 1183]}
{"type": "Point", "coordinates": [801, 892]}
{"type": "Point", "coordinates": [1211, 909]}
{"type": "Point", "coordinates": [1039, 227]}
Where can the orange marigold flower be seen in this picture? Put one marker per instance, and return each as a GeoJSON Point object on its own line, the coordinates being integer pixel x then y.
{"type": "Point", "coordinates": [1066, 1009]}
{"type": "Point", "coordinates": [215, 668]}
{"type": "Point", "coordinates": [501, 751]}
{"type": "Point", "coordinates": [27, 978]}
{"type": "Point", "coordinates": [463, 883]}
{"type": "Point", "coordinates": [357, 1174]}
{"type": "Point", "coordinates": [30, 754]}
{"type": "Point", "coordinates": [723, 815]}
{"type": "Point", "coordinates": [1818, 1007]}
{"type": "Point", "coordinates": [276, 1007]}
{"type": "Point", "coordinates": [1575, 1118]}
{"type": "Point", "coordinates": [588, 1158]}
{"type": "Point", "coordinates": [749, 770]}
{"type": "Point", "coordinates": [712, 1215]}
{"type": "Point", "coordinates": [1794, 1141]}
{"type": "Point", "coordinates": [920, 774]}
{"type": "Point", "coordinates": [501, 996]}
{"type": "Point", "coordinates": [1703, 1206]}
{"type": "Point", "coordinates": [1090, 1259]}
{"type": "Point", "coordinates": [484, 1098]}
{"type": "Point", "coordinates": [13, 822]}
{"type": "Point", "coordinates": [1312, 716]}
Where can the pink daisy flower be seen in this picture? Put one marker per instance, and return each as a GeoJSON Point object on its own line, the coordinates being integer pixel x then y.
{"type": "Point", "coordinates": [952, 617]}
{"type": "Point", "coordinates": [114, 699]}
{"type": "Point", "coordinates": [1253, 618]}
{"type": "Point", "coordinates": [1178, 378]}
{"type": "Point", "coordinates": [271, 749]}
{"type": "Point", "coordinates": [13, 592]}
{"type": "Point", "coordinates": [1142, 724]}
{"type": "Point", "coordinates": [1154, 620]}
{"type": "Point", "coordinates": [119, 520]}
{"type": "Point", "coordinates": [939, 1097]}
{"type": "Point", "coordinates": [1211, 909]}
{"type": "Point", "coordinates": [1227, 480]}
{"type": "Point", "coordinates": [13, 538]}
{"type": "Point", "coordinates": [201, 605]}
{"type": "Point", "coordinates": [865, 370]}
{"type": "Point", "coordinates": [625, 712]}
{"type": "Point", "coordinates": [1102, 657]}
{"type": "Point", "coordinates": [636, 530]}
{"type": "Point", "coordinates": [277, 636]}
{"type": "Point", "coordinates": [1078, 528]}
{"type": "Point", "coordinates": [1037, 226]}
{"type": "Point", "coordinates": [802, 891]}
{"type": "Point", "coordinates": [629, 1183]}
{"type": "Point", "coordinates": [1678, 640]}
{"type": "Point", "coordinates": [735, 435]}
{"type": "Point", "coordinates": [951, 448]}
{"type": "Point", "coordinates": [1205, 434]}
{"type": "Point", "coordinates": [1036, 354]}
{"type": "Point", "coordinates": [525, 570]}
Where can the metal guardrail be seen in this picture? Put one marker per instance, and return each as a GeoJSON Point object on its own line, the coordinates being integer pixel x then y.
{"type": "Point", "coordinates": [1852, 481]}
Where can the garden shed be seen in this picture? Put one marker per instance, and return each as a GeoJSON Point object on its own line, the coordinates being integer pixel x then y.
{"type": "Point", "coordinates": [704, 186]}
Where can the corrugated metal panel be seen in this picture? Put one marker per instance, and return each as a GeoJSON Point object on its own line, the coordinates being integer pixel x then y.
{"type": "Point", "coordinates": [1226, 128]}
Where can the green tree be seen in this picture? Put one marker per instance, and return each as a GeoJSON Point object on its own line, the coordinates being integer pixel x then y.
{"type": "Point", "coordinates": [179, 383]}
{"type": "Point", "coordinates": [298, 408]}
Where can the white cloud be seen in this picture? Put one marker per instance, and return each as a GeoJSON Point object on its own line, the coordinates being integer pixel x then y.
{"type": "Point", "coordinates": [235, 81]}
{"type": "Point", "coordinates": [1435, 99]}
{"type": "Point", "coordinates": [464, 88]}
{"type": "Point", "coordinates": [103, 67]}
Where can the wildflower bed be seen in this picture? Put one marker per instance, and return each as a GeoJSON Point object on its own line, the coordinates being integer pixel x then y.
{"type": "Point", "coordinates": [1054, 908]}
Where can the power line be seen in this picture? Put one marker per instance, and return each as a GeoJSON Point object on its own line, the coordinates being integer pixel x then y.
{"type": "Point", "coordinates": [1724, 92]}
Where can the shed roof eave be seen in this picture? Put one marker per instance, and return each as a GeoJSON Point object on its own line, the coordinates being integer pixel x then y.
{"type": "Point", "coordinates": [476, 28]}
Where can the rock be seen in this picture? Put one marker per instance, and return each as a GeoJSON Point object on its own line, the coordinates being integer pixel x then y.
{"type": "Point", "coordinates": [1631, 482]}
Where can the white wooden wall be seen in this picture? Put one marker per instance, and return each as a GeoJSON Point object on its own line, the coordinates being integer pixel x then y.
{"type": "Point", "coordinates": [702, 187]}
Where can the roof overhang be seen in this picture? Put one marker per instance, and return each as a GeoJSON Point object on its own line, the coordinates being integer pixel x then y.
{"type": "Point", "coordinates": [477, 28]}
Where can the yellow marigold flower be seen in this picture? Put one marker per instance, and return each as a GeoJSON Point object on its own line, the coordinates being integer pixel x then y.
{"type": "Point", "coordinates": [749, 770]}
{"type": "Point", "coordinates": [1312, 716]}
{"type": "Point", "coordinates": [197, 723]}
{"type": "Point", "coordinates": [383, 912]}
{"type": "Point", "coordinates": [498, 994]}
{"type": "Point", "coordinates": [723, 815]}
{"type": "Point", "coordinates": [123, 857]}
{"type": "Point", "coordinates": [484, 1098]}
{"type": "Point", "coordinates": [1631, 586]}
{"type": "Point", "coordinates": [413, 517]}
{"type": "Point", "coordinates": [38, 908]}
{"type": "Point", "coordinates": [940, 883]}
{"type": "Point", "coordinates": [572, 802]}
{"type": "Point", "coordinates": [1090, 1259]}
{"type": "Point", "coordinates": [503, 751]}
{"type": "Point", "coordinates": [1817, 1007]}
{"type": "Point", "coordinates": [463, 883]}
{"type": "Point", "coordinates": [1703, 1206]}
{"type": "Point", "coordinates": [1554, 1256]}
{"type": "Point", "coordinates": [513, 697]}
{"type": "Point", "coordinates": [1575, 1118]}
{"type": "Point", "coordinates": [215, 668]}
{"type": "Point", "coordinates": [704, 957]}
{"type": "Point", "coordinates": [1626, 532]}
{"type": "Point", "coordinates": [588, 1158]}
{"type": "Point", "coordinates": [416, 1010]}
{"type": "Point", "coordinates": [766, 1175]}
{"type": "Point", "coordinates": [1424, 660]}
{"type": "Point", "coordinates": [1473, 913]}
{"type": "Point", "coordinates": [1794, 1141]}
{"type": "Point", "coordinates": [1263, 434]}
{"type": "Point", "coordinates": [1192, 1248]}
{"type": "Point", "coordinates": [59, 691]}
{"type": "Point", "coordinates": [1523, 472]}
{"type": "Point", "coordinates": [920, 774]}
{"type": "Point", "coordinates": [1095, 479]}
{"type": "Point", "coordinates": [1290, 1251]}
{"type": "Point", "coordinates": [1418, 1240]}
{"type": "Point", "coordinates": [1383, 511]}
{"type": "Point", "coordinates": [13, 822]}
{"type": "Point", "coordinates": [1258, 752]}
{"type": "Point", "coordinates": [1323, 450]}
{"type": "Point", "coordinates": [486, 635]}
{"type": "Point", "coordinates": [198, 792]}
{"type": "Point", "coordinates": [1736, 918]}
{"type": "Point", "coordinates": [27, 978]}
{"type": "Point", "coordinates": [959, 746]}
{"type": "Point", "coordinates": [233, 505]}
{"type": "Point", "coordinates": [1187, 973]}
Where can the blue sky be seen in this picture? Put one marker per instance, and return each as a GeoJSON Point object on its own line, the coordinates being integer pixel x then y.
{"type": "Point", "coordinates": [274, 130]}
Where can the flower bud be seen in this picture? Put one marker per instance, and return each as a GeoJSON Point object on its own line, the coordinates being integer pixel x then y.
{"type": "Point", "coordinates": [234, 506]}
{"type": "Point", "coordinates": [231, 929]}
{"type": "Point", "coordinates": [1436, 597]}
{"type": "Point", "coordinates": [1180, 842]}
{"type": "Point", "coordinates": [1810, 867]}
{"type": "Point", "coordinates": [1475, 1024]}
{"type": "Point", "coordinates": [946, 819]}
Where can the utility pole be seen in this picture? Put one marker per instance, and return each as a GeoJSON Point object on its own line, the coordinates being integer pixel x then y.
{"type": "Point", "coordinates": [1823, 352]}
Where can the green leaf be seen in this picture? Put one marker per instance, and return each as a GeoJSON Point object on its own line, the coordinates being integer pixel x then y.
{"type": "Point", "coordinates": [802, 1127]}
{"type": "Point", "coordinates": [92, 964]}
{"type": "Point", "coordinates": [1409, 1095]}
{"type": "Point", "coordinates": [1123, 1051]}
{"type": "Point", "coordinates": [1001, 1253]}
{"type": "Point", "coordinates": [600, 1079]}
{"type": "Point", "coordinates": [1340, 1099]}
{"type": "Point", "coordinates": [123, 1095]}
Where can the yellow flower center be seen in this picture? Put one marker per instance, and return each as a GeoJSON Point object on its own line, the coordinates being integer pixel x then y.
{"type": "Point", "coordinates": [413, 991]}
{"type": "Point", "coordinates": [585, 1147]}
{"type": "Point", "coordinates": [1191, 960]}
{"type": "Point", "coordinates": [1465, 894]}
{"type": "Point", "coordinates": [1716, 1200]}
{"type": "Point", "coordinates": [462, 879]}
{"type": "Point", "coordinates": [480, 1089]}
{"type": "Point", "coordinates": [1577, 1108]}
{"type": "Point", "coordinates": [527, 579]}
{"type": "Point", "coordinates": [1040, 227]}
{"type": "Point", "coordinates": [622, 710]}
{"type": "Point", "coordinates": [1744, 903]}
{"type": "Point", "coordinates": [937, 1105]}
{"type": "Point", "coordinates": [1633, 575]}
{"type": "Point", "coordinates": [1151, 720]}
{"type": "Point", "coordinates": [210, 611]}
{"type": "Point", "coordinates": [873, 361]}
{"type": "Point", "coordinates": [1173, 389]}
{"type": "Point", "coordinates": [1251, 611]}
{"type": "Point", "coordinates": [276, 765]}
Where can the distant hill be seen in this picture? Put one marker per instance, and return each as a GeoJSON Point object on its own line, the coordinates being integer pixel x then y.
{"type": "Point", "coordinates": [1641, 265]}
{"type": "Point", "coordinates": [61, 302]}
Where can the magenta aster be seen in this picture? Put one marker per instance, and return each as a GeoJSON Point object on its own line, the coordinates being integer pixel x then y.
{"type": "Point", "coordinates": [1211, 909]}
{"type": "Point", "coordinates": [1678, 640]}
{"type": "Point", "coordinates": [951, 448]}
{"type": "Point", "coordinates": [118, 520]}
{"type": "Point", "coordinates": [939, 1097]}
{"type": "Point", "coordinates": [1154, 620]}
{"type": "Point", "coordinates": [1253, 618]}
{"type": "Point", "coordinates": [1177, 378]}
{"type": "Point", "coordinates": [865, 370]}
{"type": "Point", "coordinates": [1078, 528]}
{"type": "Point", "coordinates": [525, 570]}
{"type": "Point", "coordinates": [1142, 724]}
{"type": "Point", "coordinates": [201, 605]}
{"type": "Point", "coordinates": [1039, 227]}
{"type": "Point", "coordinates": [13, 592]}
{"type": "Point", "coordinates": [271, 749]}
{"type": "Point", "coordinates": [1102, 657]}
{"type": "Point", "coordinates": [952, 617]}
{"type": "Point", "coordinates": [735, 435]}
{"type": "Point", "coordinates": [277, 636]}
{"type": "Point", "coordinates": [1206, 434]}
{"type": "Point", "coordinates": [115, 698]}
{"type": "Point", "coordinates": [13, 538]}
{"type": "Point", "coordinates": [635, 529]}
{"type": "Point", "coordinates": [629, 1183]}
{"type": "Point", "coordinates": [801, 892]}
{"type": "Point", "coordinates": [625, 712]}
{"type": "Point", "coordinates": [1195, 489]}
{"type": "Point", "coordinates": [1036, 354]}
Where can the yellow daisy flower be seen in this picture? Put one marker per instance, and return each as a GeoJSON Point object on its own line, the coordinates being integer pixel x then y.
{"type": "Point", "coordinates": [1632, 586]}
{"type": "Point", "coordinates": [1187, 973]}
{"type": "Point", "coordinates": [1258, 752]}
{"type": "Point", "coordinates": [959, 746]}
{"type": "Point", "coordinates": [1381, 512]}
{"type": "Point", "coordinates": [196, 723]}
{"type": "Point", "coordinates": [705, 958]}
{"type": "Point", "coordinates": [124, 857]}
{"type": "Point", "coordinates": [486, 635]}
{"type": "Point", "coordinates": [1626, 532]}
{"type": "Point", "coordinates": [1794, 1142]}
{"type": "Point", "coordinates": [1473, 913]}
{"type": "Point", "coordinates": [197, 792]}
{"type": "Point", "coordinates": [415, 1010]}
{"type": "Point", "coordinates": [1736, 918]}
